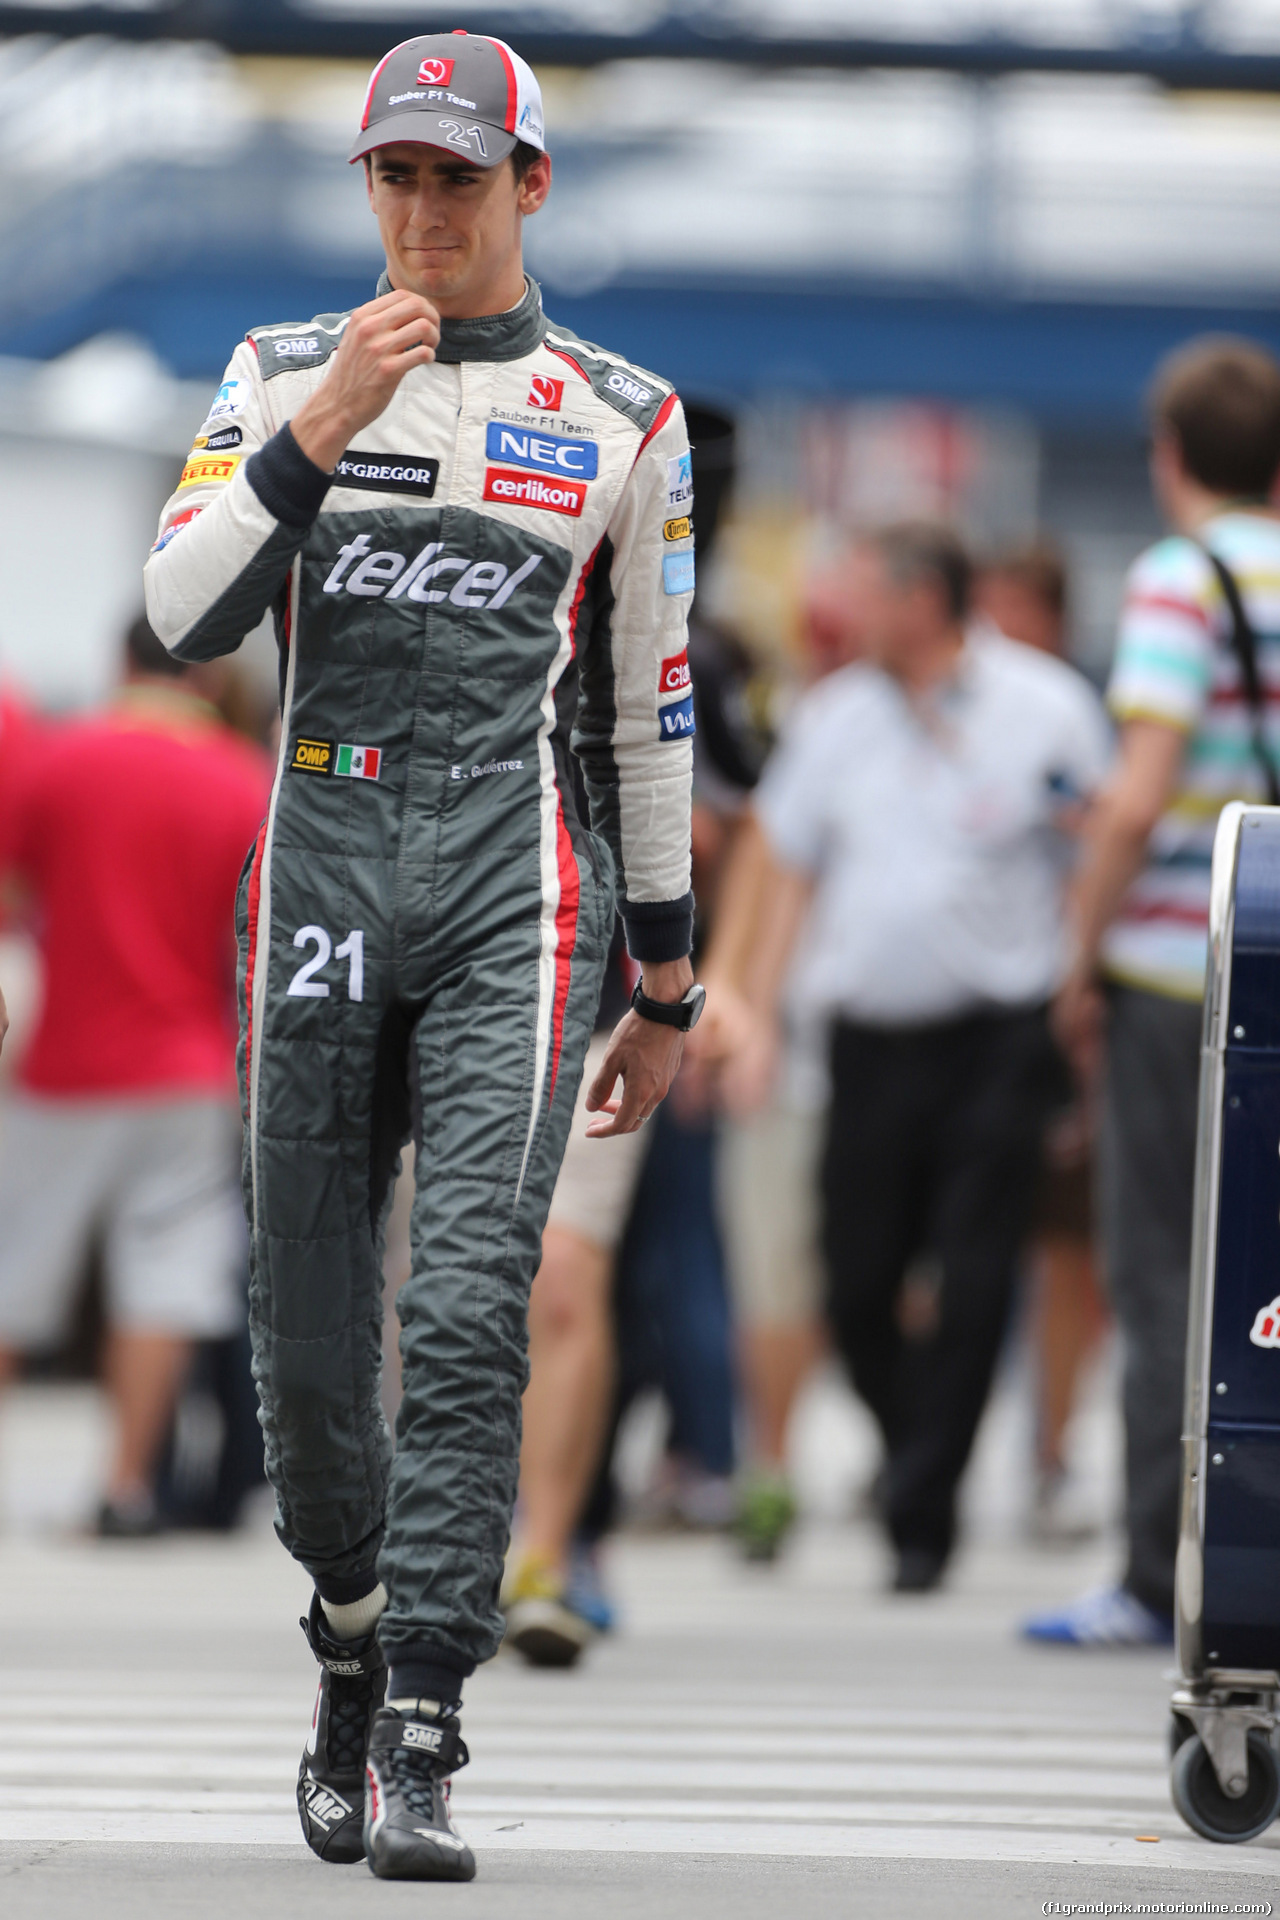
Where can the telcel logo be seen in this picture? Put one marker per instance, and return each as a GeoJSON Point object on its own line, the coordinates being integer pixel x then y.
{"type": "Point", "coordinates": [482, 583]}
{"type": "Point", "coordinates": [545, 452]}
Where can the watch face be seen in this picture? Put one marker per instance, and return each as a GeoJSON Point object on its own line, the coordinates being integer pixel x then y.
{"type": "Point", "coordinates": [695, 1000]}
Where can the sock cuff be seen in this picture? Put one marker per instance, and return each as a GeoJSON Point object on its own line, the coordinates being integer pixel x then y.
{"type": "Point", "coordinates": [353, 1619]}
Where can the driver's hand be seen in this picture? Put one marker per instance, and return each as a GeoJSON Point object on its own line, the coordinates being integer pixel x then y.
{"type": "Point", "coordinates": [646, 1055]}
{"type": "Point", "coordinates": [380, 343]}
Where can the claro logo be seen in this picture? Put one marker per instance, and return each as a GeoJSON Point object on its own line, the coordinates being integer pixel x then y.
{"type": "Point", "coordinates": [427, 578]}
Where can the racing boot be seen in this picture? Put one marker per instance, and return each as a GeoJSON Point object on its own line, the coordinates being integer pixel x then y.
{"type": "Point", "coordinates": [408, 1834]}
{"type": "Point", "coordinates": [353, 1680]}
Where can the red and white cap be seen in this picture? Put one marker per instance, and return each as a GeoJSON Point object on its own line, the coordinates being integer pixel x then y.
{"type": "Point", "coordinates": [464, 92]}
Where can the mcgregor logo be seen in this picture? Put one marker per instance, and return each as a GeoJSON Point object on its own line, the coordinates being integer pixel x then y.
{"type": "Point", "coordinates": [431, 576]}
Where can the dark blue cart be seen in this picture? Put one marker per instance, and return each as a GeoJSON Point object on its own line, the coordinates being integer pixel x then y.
{"type": "Point", "coordinates": [1226, 1776]}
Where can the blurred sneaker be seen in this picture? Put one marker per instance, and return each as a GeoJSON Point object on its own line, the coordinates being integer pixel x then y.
{"type": "Point", "coordinates": [766, 1514]}
{"type": "Point", "coordinates": [136, 1518]}
{"type": "Point", "coordinates": [1057, 1518]}
{"type": "Point", "coordinates": [1108, 1617]}
{"type": "Point", "coordinates": [541, 1624]}
{"type": "Point", "coordinates": [408, 1827]}
{"type": "Point", "coordinates": [683, 1497]}
{"type": "Point", "coordinates": [585, 1589]}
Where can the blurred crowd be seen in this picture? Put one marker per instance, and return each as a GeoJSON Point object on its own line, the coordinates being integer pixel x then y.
{"type": "Point", "coordinates": [952, 911]}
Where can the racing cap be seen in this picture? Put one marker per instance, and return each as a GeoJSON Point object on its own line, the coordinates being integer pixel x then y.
{"type": "Point", "coordinates": [461, 91]}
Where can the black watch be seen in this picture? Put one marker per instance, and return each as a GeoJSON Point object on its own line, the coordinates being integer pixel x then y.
{"type": "Point", "coordinates": [684, 1013]}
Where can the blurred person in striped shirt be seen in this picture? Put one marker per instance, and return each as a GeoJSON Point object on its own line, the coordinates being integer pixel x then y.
{"type": "Point", "coordinates": [1195, 690]}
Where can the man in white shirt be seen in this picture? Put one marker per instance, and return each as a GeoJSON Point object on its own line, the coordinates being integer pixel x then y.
{"type": "Point", "coordinates": [918, 812]}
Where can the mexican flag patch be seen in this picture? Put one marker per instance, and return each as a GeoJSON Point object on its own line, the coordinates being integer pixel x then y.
{"type": "Point", "coordinates": [358, 763]}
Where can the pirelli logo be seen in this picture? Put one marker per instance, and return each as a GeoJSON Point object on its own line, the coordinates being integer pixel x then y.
{"type": "Point", "coordinates": [207, 467]}
{"type": "Point", "coordinates": [312, 756]}
{"type": "Point", "coordinates": [679, 529]}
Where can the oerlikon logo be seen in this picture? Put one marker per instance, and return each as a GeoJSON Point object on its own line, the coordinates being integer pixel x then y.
{"type": "Point", "coordinates": [435, 73]}
{"type": "Point", "coordinates": [1265, 1331]}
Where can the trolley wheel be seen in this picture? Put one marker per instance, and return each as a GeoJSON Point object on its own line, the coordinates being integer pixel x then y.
{"type": "Point", "coordinates": [1208, 1810]}
{"type": "Point", "coordinates": [1180, 1730]}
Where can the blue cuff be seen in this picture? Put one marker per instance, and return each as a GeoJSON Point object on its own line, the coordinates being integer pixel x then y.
{"type": "Point", "coordinates": [659, 929]}
{"type": "Point", "coordinates": [288, 484]}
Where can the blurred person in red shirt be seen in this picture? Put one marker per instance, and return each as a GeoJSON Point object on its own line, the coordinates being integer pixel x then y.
{"type": "Point", "coordinates": [128, 832]}
{"type": "Point", "coordinates": [1024, 593]}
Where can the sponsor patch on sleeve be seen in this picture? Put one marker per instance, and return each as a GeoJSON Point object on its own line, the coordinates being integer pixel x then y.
{"type": "Point", "coordinates": [179, 521]}
{"type": "Point", "coordinates": [218, 441]}
{"type": "Point", "coordinates": [678, 529]}
{"type": "Point", "coordinates": [229, 399]}
{"type": "Point", "coordinates": [206, 468]}
{"type": "Point", "coordinates": [312, 756]}
{"type": "Point", "coordinates": [1265, 1331]}
{"type": "Point", "coordinates": [680, 483]}
{"type": "Point", "coordinates": [676, 721]}
{"type": "Point", "coordinates": [673, 676]}
{"type": "Point", "coordinates": [677, 573]}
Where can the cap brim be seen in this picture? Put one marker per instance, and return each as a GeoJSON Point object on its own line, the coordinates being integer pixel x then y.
{"type": "Point", "coordinates": [425, 129]}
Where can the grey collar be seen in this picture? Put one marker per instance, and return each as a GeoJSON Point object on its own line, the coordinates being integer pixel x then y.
{"type": "Point", "coordinates": [494, 336]}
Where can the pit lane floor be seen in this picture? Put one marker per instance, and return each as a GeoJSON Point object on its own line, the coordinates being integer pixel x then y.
{"type": "Point", "coordinates": [753, 1741]}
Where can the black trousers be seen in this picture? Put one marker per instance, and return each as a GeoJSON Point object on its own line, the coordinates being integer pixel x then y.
{"type": "Point", "coordinates": [933, 1149]}
{"type": "Point", "coordinates": [1146, 1168]}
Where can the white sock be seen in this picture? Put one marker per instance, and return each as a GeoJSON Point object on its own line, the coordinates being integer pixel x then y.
{"type": "Point", "coordinates": [352, 1622]}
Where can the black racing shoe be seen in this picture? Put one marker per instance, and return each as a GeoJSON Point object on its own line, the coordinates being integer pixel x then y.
{"type": "Point", "coordinates": [353, 1680]}
{"type": "Point", "coordinates": [408, 1834]}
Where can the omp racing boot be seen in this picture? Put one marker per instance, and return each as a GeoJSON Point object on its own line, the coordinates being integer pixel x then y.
{"type": "Point", "coordinates": [408, 1834]}
{"type": "Point", "coordinates": [353, 1679]}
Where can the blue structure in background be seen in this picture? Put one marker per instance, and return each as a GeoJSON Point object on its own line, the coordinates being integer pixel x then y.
{"type": "Point", "coordinates": [1060, 360]}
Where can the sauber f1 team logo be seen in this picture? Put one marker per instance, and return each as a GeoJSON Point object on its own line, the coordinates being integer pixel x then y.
{"type": "Point", "coordinates": [531, 490]}
{"type": "Point", "coordinates": [435, 73]}
{"type": "Point", "coordinates": [545, 393]}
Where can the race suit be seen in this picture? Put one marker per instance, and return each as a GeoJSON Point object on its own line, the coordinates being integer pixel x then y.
{"type": "Point", "coordinates": [424, 919]}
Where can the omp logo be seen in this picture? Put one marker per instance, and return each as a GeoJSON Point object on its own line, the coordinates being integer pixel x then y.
{"type": "Point", "coordinates": [673, 676]}
{"type": "Point", "coordinates": [1265, 1331]}
{"type": "Point", "coordinates": [415, 1735]}
{"type": "Point", "coordinates": [629, 389]}
{"type": "Point", "coordinates": [680, 529]}
{"type": "Point", "coordinates": [676, 722]}
{"type": "Point", "coordinates": [313, 756]}
{"type": "Point", "coordinates": [435, 73]}
{"type": "Point", "coordinates": [208, 467]}
{"type": "Point", "coordinates": [530, 490]}
{"type": "Point", "coordinates": [545, 393]}
{"type": "Point", "coordinates": [323, 1804]}
{"type": "Point", "coordinates": [303, 344]}
{"type": "Point", "coordinates": [374, 576]}
{"type": "Point", "coordinates": [518, 447]}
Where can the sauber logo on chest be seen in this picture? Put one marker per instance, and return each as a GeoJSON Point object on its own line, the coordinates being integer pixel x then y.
{"type": "Point", "coordinates": [545, 393]}
{"type": "Point", "coordinates": [430, 576]}
{"type": "Point", "coordinates": [546, 452]}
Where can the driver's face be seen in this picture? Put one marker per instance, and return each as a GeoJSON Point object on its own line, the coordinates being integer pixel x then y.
{"type": "Point", "coordinates": [449, 228]}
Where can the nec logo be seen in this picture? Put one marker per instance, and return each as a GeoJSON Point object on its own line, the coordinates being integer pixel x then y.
{"type": "Point", "coordinates": [674, 674]}
{"type": "Point", "coordinates": [545, 452]}
{"type": "Point", "coordinates": [546, 393]}
{"type": "Point", "coordinates": [435, 73]}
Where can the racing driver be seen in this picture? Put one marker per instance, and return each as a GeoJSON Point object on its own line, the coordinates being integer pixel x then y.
{"type": "Point", "coordinates": [472, 529]}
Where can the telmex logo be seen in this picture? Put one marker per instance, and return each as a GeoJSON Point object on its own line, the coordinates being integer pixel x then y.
{"type": "Point", "coordinates": [209, 466]}
{"type": "Point", "coordinates": [435, 73]}
{"type": "Point", "coordinates": [629, 389]}
{"type": "Point", "coordinates": [531, 490]}
{"type": "Point", "coordinates": [520, 447]}
{"type": "Point", "coordinates": [674, 675]}
{"type": "Point", "coordinates": [481, 583]}
{"type": "Point", "coordinates": [545, 393]}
